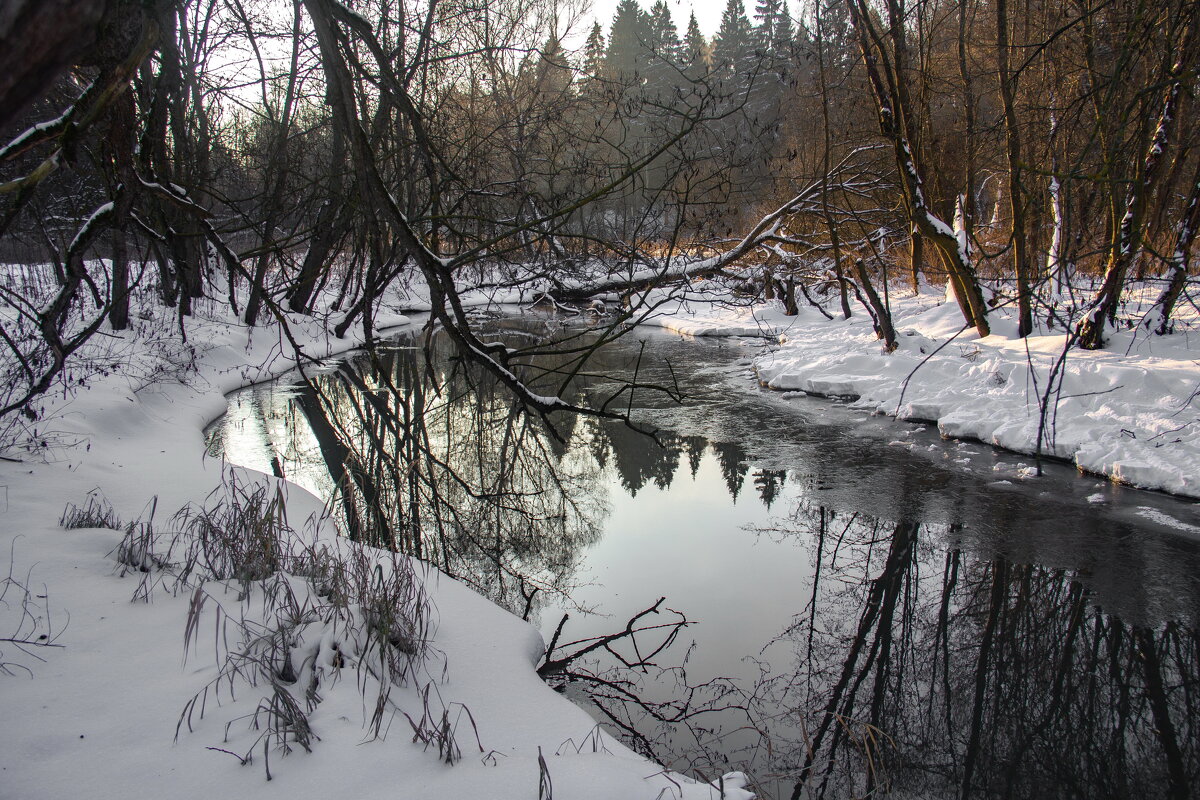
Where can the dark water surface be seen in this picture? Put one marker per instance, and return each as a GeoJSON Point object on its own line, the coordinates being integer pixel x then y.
{"type": "Point", "coordinates": [873, 609]}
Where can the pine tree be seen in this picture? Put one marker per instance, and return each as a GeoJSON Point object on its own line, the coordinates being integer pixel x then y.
{"type": "Point", "coordinates": [625, 60]}
{"type": "Point", "coordinates": [593, 52]}
{"type": "Point", "coordinates": [734, 43]}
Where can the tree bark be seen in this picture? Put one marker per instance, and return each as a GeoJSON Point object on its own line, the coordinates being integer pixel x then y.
{"type": "Point", "coordinates": [890, 100]}
{"type": "Point", "coordinates": [1159, 318]}
{"type": "Point", "coordinates": [39, 39]}
{"type": "Point", "coordinates": [120, 142]}
{"type": "Point", "coordinates": [1127, 241]}
{"type": "Point", "coordinates": [1016, 193]}
{"type": "Point", "coordinates": [882, 314]}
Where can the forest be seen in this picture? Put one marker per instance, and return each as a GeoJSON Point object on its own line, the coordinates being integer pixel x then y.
{"type": "Point", "coordinates": [399, 351]}
{"type": "Point", "coordinates": [1037, 156]}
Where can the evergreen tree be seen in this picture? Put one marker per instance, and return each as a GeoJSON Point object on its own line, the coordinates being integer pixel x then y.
{"type": "Point", "coordinates": [773, 37]}
{"type": "Point", "coordinates": [694, 56]}
{"type": "Point", "coordinates": [732, 459]}
{"type": "Point", "coordinates": [593, 52]}
{"type": "Point", "coordinates": [734, 42]}
{"type": "Point", "coordinates": [625, 60]}
{"type": "Point", "coordinates": [663, 53]}
{"type": "Point", "coordinates": [695, 447]}
{"type": "Point", "coordinates": [664, 39]}
{"type": "Point", "coordinates": [769, 482]}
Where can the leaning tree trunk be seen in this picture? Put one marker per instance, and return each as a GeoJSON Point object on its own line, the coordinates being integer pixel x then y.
{"type": "Point", "coordinates": [880, 313]}
{"type": "Point", "coordinates": [1128, 239]}
{"type": "Point", "coordinates": [891, 102]}
{"type": "Point", "coordinates": [1159, 318]}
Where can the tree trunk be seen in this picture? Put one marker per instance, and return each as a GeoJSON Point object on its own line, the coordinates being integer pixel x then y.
{"type": "Point", "coordinates": [120, 142]}
{"type": "Point", "coordinates": [890, 102]}
{"type": "Point", "coordinates": [916, 255]}
{"type": "Point", "coordinates": [41, 39]}
{"type": "Point", "coordinates": [968, 101]}
{"type": "Point", "coordinates": [1128, 236]}
{"type": "Point", "coordinates": [328, 232]}
{"type": "Point", "coordinates": [1159, 318]}
{"type": "Point", "coordinates": [276, 176]}
{"type": "Point", "coordinates": [880, 313]}
{"type": "Point", "coordinates": [1016, 194]}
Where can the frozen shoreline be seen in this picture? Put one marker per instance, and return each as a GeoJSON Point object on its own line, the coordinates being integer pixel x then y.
{"type": "Point", "coordinates": [92, 709]}
{"type": "Point", "coordinates": [96, 713]}
{"type": "Point", "coordinates": [1129, 412]}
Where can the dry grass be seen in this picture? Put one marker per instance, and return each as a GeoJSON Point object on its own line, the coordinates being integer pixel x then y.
{"type": "Point", "coordinates": [97, 513]}
{"type": "Point", "coordinates": [286, 614]}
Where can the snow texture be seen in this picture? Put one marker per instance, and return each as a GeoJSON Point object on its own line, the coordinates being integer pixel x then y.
{"type": "Point", "coordinates": [95, 715]}
{"type": "Point", "coordinates": [1129, 412]}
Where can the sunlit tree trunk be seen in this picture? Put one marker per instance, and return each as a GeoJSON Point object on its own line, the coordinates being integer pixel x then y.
{"type": "Point", "coordinates": [1159, 318]}
{"type": "Point", "coordinates": [1127, 241]}
{"type": "Point", "coordinates": [885, 72]}
{"type": "Point", "coordinates": [1016, 193]}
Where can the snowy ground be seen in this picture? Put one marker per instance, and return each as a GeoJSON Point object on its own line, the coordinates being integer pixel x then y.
{"type": "Point", "coordinates": [1130, 412]}
{"type": "Point", "coordinates": [92, 700]}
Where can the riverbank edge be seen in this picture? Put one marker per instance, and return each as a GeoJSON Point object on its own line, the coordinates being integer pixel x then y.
{"type": "Point", "coordinates": [128, 436]}
{"type": "Point", "coordinates": [1120, 413]}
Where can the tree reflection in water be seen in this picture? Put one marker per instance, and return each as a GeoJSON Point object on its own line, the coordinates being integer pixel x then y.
{"type": "Point", "coordinates": [920, 669]}
{"type": "Point", "coordinates": [932, 659]}
{"type": "Point", "coordinates": [436, 460]}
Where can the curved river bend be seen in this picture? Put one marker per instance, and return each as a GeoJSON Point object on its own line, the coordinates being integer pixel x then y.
{"type": "Point", "coordinates": [871, 609]}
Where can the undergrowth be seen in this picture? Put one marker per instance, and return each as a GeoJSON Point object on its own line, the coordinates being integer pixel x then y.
{"type": "Point", "coordinates": [289, 615]}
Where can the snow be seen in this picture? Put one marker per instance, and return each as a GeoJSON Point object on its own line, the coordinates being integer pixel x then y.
{"type": "Point", "coordinates": [696, 316]}
{"type": "Point", "coordinates": [1128, 412]}
{"type": "Point", "coordinates": [91, 710]}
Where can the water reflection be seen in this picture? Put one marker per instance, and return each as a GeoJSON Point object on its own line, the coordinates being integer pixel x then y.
{"type": "Point", "coordinates": [919, 622]}
{"type": "Point", "coordinates": [925, 669]}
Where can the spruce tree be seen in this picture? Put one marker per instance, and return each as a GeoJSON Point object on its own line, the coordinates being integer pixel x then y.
{"type": "Point", "coordinates": [694, 56]}
{"type": "Point", "coordinates": [625, 60]}
{"type": "Point", "coordinates": [664, 40]}
{"type": "Point", "coordinates": [773, 36]}
{"type": "Point", "coordinates": [593, 52]}
{"type": "Point", "coordinates": [663, 53]}
{"type": "Point", "coordinates": [733, 44]}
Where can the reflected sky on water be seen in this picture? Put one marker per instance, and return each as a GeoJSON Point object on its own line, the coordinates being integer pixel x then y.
{"type": "Point", "coordinates": [928, 619]}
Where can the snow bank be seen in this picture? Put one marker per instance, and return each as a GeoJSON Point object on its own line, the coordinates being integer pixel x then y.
{"type": "Point", "coordinates": [94, 714]}
{"type": "Point", "coordinates": [697, 319]}
{"type": "Point", "coordinates": [1129, 412]}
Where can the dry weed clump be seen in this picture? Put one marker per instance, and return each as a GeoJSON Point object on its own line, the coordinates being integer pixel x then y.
{"type": "Point", "coordinates": [97, 513]}
{"type": "Point", "coordinates": [288, 614]}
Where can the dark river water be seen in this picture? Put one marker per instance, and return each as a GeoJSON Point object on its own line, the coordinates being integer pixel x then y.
{"type": "Point", "coordinates": [870, 610]}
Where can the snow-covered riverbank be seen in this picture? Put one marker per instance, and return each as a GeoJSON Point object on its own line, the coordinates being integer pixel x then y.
{"type": "Point", "coordinates": [92, 708]}
{"type": "Point", "coordinates": [91, 701]}
{"type": "Point", "coordinates": [1129, 412]}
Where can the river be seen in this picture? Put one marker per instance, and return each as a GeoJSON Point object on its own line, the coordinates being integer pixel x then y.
{"type": "Point", "coordinates": [869, 608]}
